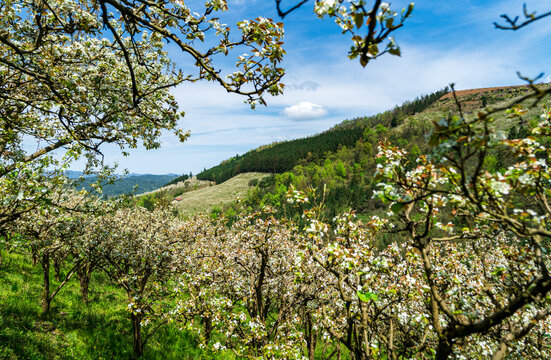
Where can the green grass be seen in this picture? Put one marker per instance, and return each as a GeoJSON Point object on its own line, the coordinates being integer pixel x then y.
{"type": "Point", "coordinates": [207, 198]}
{"type": "Point", "coordinates": [100, 329]}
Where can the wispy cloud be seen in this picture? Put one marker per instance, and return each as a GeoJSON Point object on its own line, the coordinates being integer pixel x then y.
{"type": "Point", "coordinates": [307, 85]}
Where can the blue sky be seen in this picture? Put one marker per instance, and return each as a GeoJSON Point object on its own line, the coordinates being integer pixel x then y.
{"type": "Point", "coordinates": [443, 42]}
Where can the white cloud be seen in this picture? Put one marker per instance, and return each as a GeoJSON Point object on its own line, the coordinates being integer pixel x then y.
{"type": "Point", "coordinates": [304, 110]}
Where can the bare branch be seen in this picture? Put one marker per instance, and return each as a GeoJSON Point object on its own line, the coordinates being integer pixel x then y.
{"type": "Point", "coordinates": [513, 23]}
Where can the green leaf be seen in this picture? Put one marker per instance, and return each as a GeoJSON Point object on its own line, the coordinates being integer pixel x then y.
{"type": "Point", "coordinates": [363, 60]}
{"type": "Point", "coordinates": [359, 19]}
{"type": "Point", "coordinates": [409, 10]}
{"type": "Point", "coordinates": [396, 207]}
{"type": "Point", "coordinates": [395, 51]}
{"type": "Point", "coordinates": [373, 49]}
{"type": "Point", "coordinates": [366, 296]}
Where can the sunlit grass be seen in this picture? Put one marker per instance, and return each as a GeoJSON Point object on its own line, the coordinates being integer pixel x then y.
{"type": "Point", "coordinates": [100, 329]}
{"type": "Point", "coordinates": [207, 198]}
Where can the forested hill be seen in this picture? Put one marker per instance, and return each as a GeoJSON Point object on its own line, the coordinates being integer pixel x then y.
{"type": "Point", "coordinates": [283, 156]}
{"type": "Point", "coordinates": [280, 157]}
{"type": "Point", "coordinates": [343, 179]}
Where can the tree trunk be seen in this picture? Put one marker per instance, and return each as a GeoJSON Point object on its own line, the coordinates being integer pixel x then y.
{"type": "Point", "coordinates": [84, 273]}
{"type": "Point", "coordinates": [57, 268]}
{"type": "Point", "coordinates": [444, 349]}
{"type": "Point", "coordinates": [45, 301]}
{"type": "Point", "coordinates": [34, 254]}
{"type": "Point", "coordinates": [359, 354]}
{"type": "Point", "coordinates": [84, 287]}
{"type": "Point", "coordinates": [311, 337]}
{"type": "Point", "coordinates": [207, 323]}
{"type": "Point", "coordinates": [137, 331]}
{"type": "Point", "coordinates": [260, 309]}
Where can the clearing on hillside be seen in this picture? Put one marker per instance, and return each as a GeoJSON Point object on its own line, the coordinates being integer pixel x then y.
{"type": "Point", "coordinates": [459, 93]}
{"type": "Point", "coordinates": [207, 198]}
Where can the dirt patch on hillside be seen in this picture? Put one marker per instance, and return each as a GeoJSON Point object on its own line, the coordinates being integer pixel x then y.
{"type": "Point", "coordinates": [472, 100]}
{"type": "Point", "coordinates": [483, 90]}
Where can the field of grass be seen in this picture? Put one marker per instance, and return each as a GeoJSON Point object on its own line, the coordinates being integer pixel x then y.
{"type": "Point", "coordinates": [100, 329]}
{"type": "Point", "coordinates": [207, 198]}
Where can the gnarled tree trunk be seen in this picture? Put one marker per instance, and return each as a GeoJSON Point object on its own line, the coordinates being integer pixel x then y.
{"type": "Point", "coordinates": [137, 333]}
{"type": "Point", "coordinates": [84, 273]}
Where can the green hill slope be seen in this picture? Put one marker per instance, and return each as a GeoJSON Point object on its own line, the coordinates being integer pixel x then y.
{"type": "Point", "coordinates": [213, 197]}
{"type": "Point", "coordinates": [346, 174]}
{"type": "Point", "coordinates": [281, 157]}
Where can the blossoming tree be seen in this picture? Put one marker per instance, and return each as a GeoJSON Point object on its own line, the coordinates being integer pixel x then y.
{"type": "Point", "coordinates": [138, 253]}
{"type": "Point", "coordinates": [75, 75]}
{"type": "Point", "coordinates": [481, 236]}
{"type": "Point", "coordinates": [52, 235]}
{"type": "Point", "coordinates": [238, 287]}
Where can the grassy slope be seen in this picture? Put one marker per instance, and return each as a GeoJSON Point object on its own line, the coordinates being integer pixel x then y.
{"type": "Point", "coordinates": [207, 198]}
{"type": "Point", "coordinates": [180, 187]}
{"type": "Point", "coordinates": [99, 330]}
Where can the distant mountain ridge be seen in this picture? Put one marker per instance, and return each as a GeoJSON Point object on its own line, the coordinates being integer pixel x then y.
{"type": "Point", "coordinates": [73, 174]}
{"type": "Point", "coordinates": [123, 184]}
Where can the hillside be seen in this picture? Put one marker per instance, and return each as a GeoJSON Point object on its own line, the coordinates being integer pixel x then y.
{"type": "Point", "coordinates": [283, 156]}
{"type": "Point", "coordinates": [165, 195]}
{"type": "Point", "coordinates": [346, 174]}
{"type": "Point", "coordinates": [213, 197]}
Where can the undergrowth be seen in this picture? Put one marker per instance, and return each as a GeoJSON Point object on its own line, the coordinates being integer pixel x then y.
{"type": "Point", "coordinates": [100, 329]}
